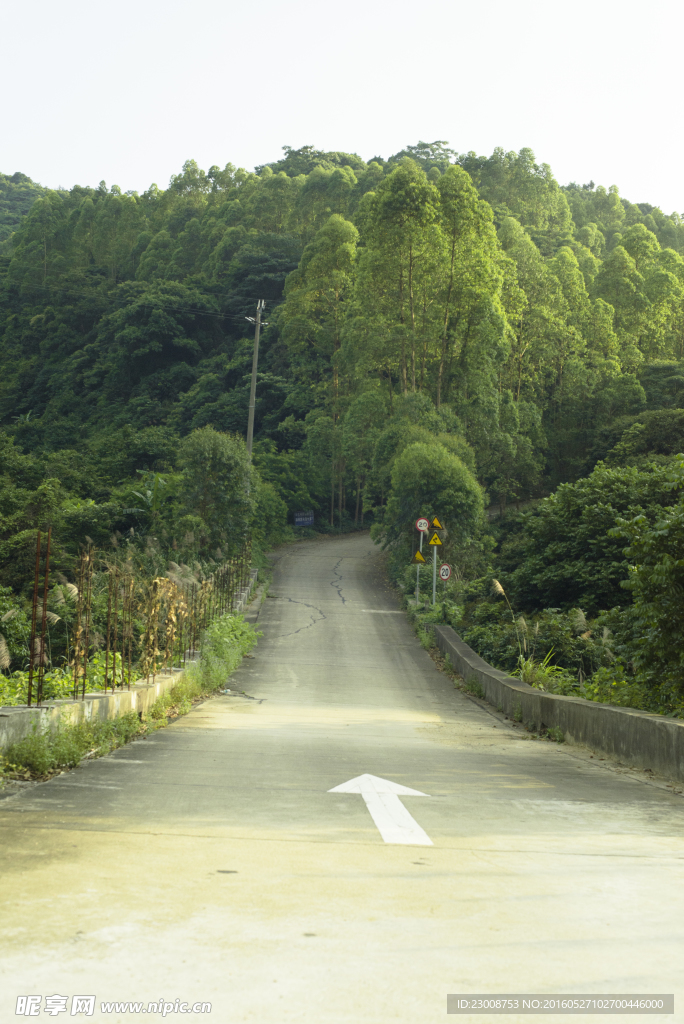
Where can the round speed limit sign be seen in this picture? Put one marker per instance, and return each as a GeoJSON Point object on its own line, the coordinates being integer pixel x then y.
{"type": "Point", "coordinates": [444, 571]}
{"type": "Point", "coordinates": [423, 525]}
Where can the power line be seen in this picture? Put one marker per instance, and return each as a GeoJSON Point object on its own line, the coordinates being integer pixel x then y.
{"type": "Point", "coordinates": [151, 305]}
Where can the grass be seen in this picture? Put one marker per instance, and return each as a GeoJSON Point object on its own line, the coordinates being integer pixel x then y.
{"type": "Point", "coordinates": [473, 687]}
{"type": "Point", "coordinates": [426, 637]}
{"type": "Point", "coordinates": [42, 755]}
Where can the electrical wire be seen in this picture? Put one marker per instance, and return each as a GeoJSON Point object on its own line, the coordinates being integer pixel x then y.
{"type": "Point", "coordinates": [150, 305]}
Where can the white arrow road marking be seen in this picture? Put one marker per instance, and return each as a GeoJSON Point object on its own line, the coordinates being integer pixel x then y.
{"type": "Point", "coordinates": [394, 822]}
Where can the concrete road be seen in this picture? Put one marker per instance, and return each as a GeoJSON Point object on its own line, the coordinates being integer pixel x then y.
{"type": "Point", "coordinates": [210, 862]}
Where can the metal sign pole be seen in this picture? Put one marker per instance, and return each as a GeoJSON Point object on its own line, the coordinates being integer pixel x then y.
{"type": "Point", "coordinates": [422, 525]}
{"type": "Point", "coordinates": [434, 577]}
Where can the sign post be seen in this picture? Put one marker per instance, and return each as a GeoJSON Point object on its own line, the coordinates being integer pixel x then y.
{"type": "Point", "coordinates": [422, 525]}
{"type": "Point", "coordinates": [434, 576]}
{"type": "Point", "coordinates": [435, 542]}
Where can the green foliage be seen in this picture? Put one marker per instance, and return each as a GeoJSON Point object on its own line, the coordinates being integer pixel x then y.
{"type": "Point", "coordinates": [215, 486]}
{"type": "Point", "coordinates": [58, 684]}
{"type": "Point", "coordinates": [562, 553]}
{"type": "Point", "coordinates": [427, 479]}
{"type": "Point", "coordinates": [543, 675]}
{"type": "Point", "coordinates": [472, 686]}
{"type": "Point", "coordinates": [126, 313]}
{"type": "Point", "coordinates": [656, 582]}
{"type": "Point", "coordinates": [17, 195]}
{"type": "Point", "coordinates": [550, 640]}
{"type": "Point", "coordinates": [42, 754]}
{"type": "Point", "coordinates": [269, 526]}
{"type": "Point", "coordinates": [223, 646]}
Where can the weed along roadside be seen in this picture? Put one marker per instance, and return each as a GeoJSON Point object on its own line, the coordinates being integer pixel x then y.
{"type": "Point", "coordinates": [57, 738]}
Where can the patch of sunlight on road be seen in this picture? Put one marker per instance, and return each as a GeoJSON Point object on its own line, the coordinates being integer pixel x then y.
{"type": "Point", "coordinates": [273, 716]}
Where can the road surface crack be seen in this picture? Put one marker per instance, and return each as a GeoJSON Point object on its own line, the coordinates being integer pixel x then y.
{"type": "Point", "coordinates": [337, 584]}
{"type": "Point", "coordinates": [313, 622]}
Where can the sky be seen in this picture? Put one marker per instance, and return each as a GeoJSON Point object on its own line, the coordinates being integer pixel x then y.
{"type": "Point", "coordinates": [127, 92]}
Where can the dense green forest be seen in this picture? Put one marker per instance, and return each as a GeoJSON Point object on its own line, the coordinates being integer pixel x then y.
{"type": "Point", "coordinates": [445, 332]}
{"type": "Point", "coordinates": [17, 195]}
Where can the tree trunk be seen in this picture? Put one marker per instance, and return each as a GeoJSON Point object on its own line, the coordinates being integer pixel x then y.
{"type": "Point", "coordinates": [413, 323]}
{"type": "Point", "coordinates": [447, 310]}
{"type": "Point", "coordinates": [404, 378]}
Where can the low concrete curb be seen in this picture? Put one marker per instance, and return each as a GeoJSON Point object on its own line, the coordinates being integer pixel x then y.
{"type": "Point", "coordinates": [18, 722]}
{"type": "Point", "coordinates": [632, 737]}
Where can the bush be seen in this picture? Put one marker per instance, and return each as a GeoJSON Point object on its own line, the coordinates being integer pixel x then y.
{"type": "Point", "coordinates": [58, 684]}
{"type": "Point", "coordinates": [565, 552]}
{"type": "Point", "coordinates": [270, 517]}
{"type": "Point", "coordinates": [42, 754]}
{"type": "Point", "coordinates": [429, 480]}
{"type": "Point", "coordinates": [223, 646]}
{"type": "Point", "coordinates": [545, 676]}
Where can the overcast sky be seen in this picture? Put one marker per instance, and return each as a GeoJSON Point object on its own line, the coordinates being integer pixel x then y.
{"type": "Point", "coordinates": [127, 92]}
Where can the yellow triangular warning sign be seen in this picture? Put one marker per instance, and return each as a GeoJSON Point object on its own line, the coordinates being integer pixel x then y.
{"type": "Point", "coordinates": [436, 525]}
{"type": "Point", "coordinates": [418, 558]}
{"type": "Point", "coordinates": [434, 539]}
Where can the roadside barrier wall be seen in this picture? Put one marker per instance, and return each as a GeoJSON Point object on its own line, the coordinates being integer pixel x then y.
{"type": "Point", "coordinates": [632, 737]}
{"type": "Point", "coordinates": [18, 722]}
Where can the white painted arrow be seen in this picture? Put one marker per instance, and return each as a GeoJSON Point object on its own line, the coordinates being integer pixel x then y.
{"type": "Point", "coordinates": [394, 822]}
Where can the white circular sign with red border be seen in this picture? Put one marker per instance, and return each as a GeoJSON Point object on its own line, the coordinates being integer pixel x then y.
{"type": "Point", "coordinates": [444, 571]}
{"type": "Point", "coordinates": [423, 524]}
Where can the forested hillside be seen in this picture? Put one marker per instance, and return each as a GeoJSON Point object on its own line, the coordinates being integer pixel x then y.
{"type": "Point", "coordinates": [17, 195]}
{"type": "Point", "coordinates": [432, 317]}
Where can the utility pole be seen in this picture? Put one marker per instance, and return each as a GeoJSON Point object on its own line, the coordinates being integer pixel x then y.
{"type": "Point", "coordinates": [255, 361]}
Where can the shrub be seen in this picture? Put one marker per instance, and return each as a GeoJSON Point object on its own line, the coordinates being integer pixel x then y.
{"type": "Point", "coordinates": [43, 753]}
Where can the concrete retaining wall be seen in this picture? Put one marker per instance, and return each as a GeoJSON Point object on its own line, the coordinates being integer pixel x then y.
{"type": "Point", "coordinates": [633, 737]}
{"type": "Point", "coordinates": [16, 723]}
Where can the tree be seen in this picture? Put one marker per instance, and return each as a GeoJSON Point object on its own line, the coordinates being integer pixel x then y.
{"type": "Point", "coordinates": [564, 555]}
{"type": "Point", "coordinates": [471, 253]}
{"type": "Point", "coordinates": [312, 317]}
{"type": "Point", "coordinates": [400, 249]}
{"type": "Point", "coordinates": [216, 485]}
{"type": "Point", "coordinates": [656, 581]}
{"type": "Point", "coordinates": [429, 480]}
